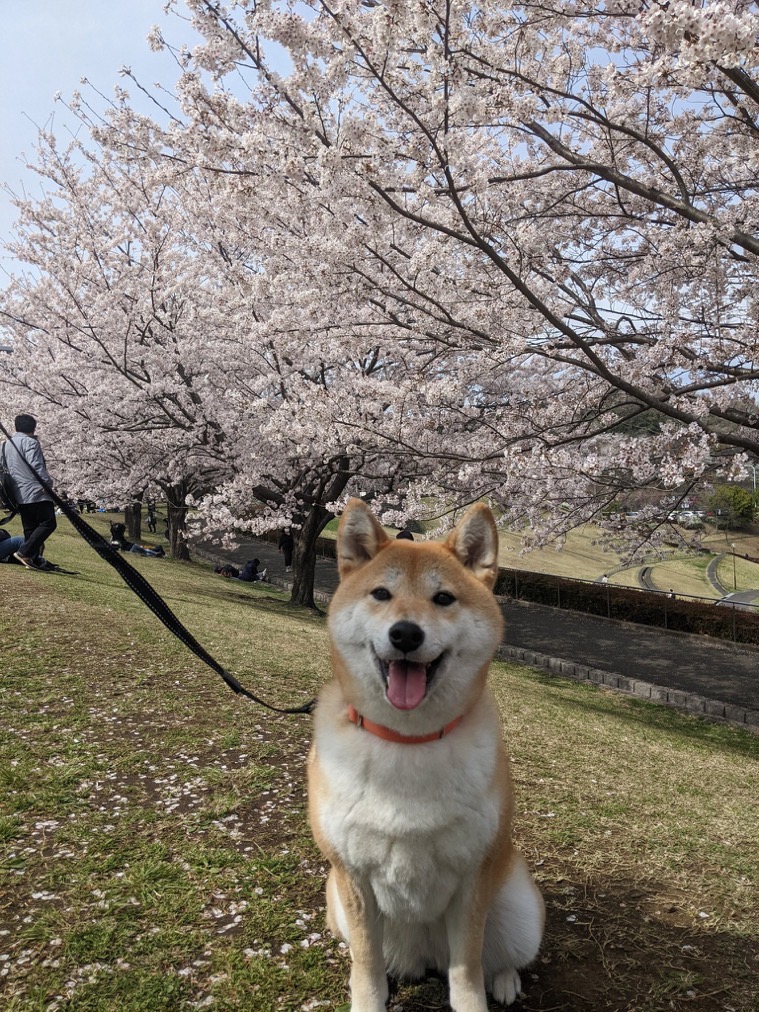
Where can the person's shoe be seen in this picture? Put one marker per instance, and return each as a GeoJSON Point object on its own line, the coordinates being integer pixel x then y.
{"type": "Point", "coordinates": [29, 563]}
{"type": "Point", "coordinates": [262, 574]}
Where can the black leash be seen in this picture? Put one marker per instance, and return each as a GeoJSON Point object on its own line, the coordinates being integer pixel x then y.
{"type": "Point", "coordinates": [137, 583]}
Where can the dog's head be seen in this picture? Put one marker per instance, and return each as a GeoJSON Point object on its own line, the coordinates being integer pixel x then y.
{"type": "Point", "coordinates": [414, 625]}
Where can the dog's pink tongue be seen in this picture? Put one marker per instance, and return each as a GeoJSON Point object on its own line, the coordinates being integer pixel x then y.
{"type": "Point", "coordinates": [406, 684]}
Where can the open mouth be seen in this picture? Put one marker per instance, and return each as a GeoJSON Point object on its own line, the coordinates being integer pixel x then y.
{"type": "Point", "coordinates": [407, 682]}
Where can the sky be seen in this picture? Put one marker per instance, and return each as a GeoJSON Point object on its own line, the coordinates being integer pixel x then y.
{"type": "Point", "coordinates": [47, 46]}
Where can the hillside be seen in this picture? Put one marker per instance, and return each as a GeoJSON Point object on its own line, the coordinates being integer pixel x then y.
{"type": "Point", "coordinates": [153, 840]}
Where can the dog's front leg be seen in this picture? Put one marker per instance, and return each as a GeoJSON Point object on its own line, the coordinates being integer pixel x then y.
{"type": "Point", "coordinates": [465, 925]}
{"type": "Point", "coordinates": [368, 981]}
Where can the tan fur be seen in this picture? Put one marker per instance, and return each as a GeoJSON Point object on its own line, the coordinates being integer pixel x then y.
{"type": "Point", "coordinates": [424, 873]}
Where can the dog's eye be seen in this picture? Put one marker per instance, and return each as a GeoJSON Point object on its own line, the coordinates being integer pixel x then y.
{"type": "Point", "coordinates": [381, 594]}
{"type": "Point", "coordinates": [443, 598]}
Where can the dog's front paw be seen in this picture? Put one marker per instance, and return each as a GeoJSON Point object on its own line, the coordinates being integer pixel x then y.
{"type": "Point", "coordinates": [369, 998]}
{"type": "Point", "coordinates": [466, 996]}
{"type": "Point", "coordinates": [468, 1003]}
{"type": "Point", "coordinates": [506, 986]}
{"type": "Point", "coordinates": [373, 1005]}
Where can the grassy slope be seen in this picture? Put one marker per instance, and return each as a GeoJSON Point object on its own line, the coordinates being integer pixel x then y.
{"type": "Point", "coordinates": [154, 847]}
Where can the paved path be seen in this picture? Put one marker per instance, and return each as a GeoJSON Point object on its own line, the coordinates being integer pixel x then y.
{"type": "Point", "coordinates": [713, 578]}
{"type": "Point", "coordinates": [699, 665]}
{"type": "Point", "coordinates": [645, 579]}
{"type": "Point", "coordinates": [693, 664]}
{"type": "Point", "coordinates": [747, 598]}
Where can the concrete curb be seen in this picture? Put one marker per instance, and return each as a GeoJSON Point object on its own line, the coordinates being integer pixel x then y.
{"type": "Point", "coordinates": [689, 702]}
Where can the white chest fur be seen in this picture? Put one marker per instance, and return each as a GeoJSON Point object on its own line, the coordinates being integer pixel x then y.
{"type": "Point", "coordinates": [412, 821]}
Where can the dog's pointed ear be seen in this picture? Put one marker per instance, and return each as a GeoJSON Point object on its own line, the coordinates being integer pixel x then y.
{"type": "Point", "coordinates": [474, 542]}
{"type": "Point", "coordinates": [359, 537]}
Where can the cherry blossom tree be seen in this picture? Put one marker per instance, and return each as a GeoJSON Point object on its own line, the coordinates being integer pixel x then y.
{"type": "Point", "coordinates": [113, 336]}
{"type": "Point", "coordinates": [447, 252]}
{"type": "Point", "coordinates": [557, 200]}
{"type": "Point", "coordinates": [159, 330]}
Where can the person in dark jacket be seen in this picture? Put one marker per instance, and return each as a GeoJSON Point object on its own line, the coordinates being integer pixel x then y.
{"type": "Point", "coordinates": [35, 506]}
{"type": "Point", "coordinates": [250, 572]}
{"type": "Point", "coordinates": [286, 547]}
{"type": "Point", "coordinates": [119, 538]}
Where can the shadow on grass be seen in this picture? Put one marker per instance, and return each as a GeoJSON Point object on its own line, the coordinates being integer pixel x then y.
{"type": "Point", "coordinates": [621, 946]}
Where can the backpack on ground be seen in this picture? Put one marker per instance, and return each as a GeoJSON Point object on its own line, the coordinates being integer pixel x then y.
{"type": "Point", "coordinates": [8, 502]}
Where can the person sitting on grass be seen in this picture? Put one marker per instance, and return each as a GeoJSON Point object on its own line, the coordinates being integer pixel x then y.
{"type": "Point", "coordinates": [250, 573]}
{"type": "Point", "coordinates": [227, 571]}
{"type": "Point", "coordinates": [153, 550]}
{"type": "Point", "coordinates": [9, 545]}
{"type": "Point", "coordinates": [118, 537]}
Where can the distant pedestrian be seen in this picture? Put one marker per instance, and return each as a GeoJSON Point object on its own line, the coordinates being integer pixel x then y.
{"type": "Point", "coordinates": [286, 547]}
{"type": "Point", "coordinates": [404, 535]}
{"type": "Point", "coordinates": [605, 578]}
{"type": "Point", "coordinates": [35, 506]}
{"type": "Point", "coordinates": [151, 518]}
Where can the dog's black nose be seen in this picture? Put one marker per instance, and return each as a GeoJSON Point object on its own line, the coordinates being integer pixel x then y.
{"type": "Point", "coordinates": [406, 636]}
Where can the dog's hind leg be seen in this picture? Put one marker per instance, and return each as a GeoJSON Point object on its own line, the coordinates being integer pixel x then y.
{"type": "Point", "coordinates": [513, 932]}
{"type": "Point", "coordinates": [352, 912]}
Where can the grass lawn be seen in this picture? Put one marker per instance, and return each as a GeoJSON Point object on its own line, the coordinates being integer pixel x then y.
{"type": "Point", "coordinates": [686, 576]}
{"type": "Point", "coordinates": [154, 851]}
{"type": "Point", "coordinates": [583, 556]}
{"type": "Point", "coordinates": [738, 574]}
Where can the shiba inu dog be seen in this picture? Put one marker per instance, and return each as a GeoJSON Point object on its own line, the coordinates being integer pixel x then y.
{"type": "Point", "coordinates": [410, 798]}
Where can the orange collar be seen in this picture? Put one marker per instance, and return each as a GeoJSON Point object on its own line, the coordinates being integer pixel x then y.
{"type": "Point", "coordinates": [387, 733]}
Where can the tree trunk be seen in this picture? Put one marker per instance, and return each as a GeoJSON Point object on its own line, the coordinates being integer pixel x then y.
{"type": "Point", "coordinates": [312, 524]}
{"type": "Point", "coordinates": [133, 519]}
{"type": "Point", "coordinates": [176, 514]}
{"type": "Point", "coordinates": [304, 555]}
